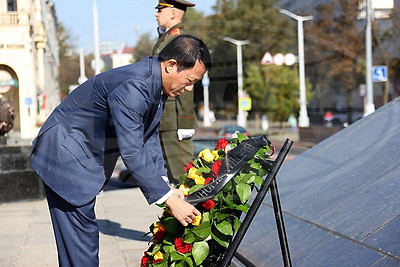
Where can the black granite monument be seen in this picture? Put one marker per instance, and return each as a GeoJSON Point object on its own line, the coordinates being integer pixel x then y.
{"type": "Point", "coordinates": [340, 200]}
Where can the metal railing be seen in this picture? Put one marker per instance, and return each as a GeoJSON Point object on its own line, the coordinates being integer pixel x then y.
{"type": "Point", "coordinates": [13, 18]}
{"type": "Point", "coordinates": [268, 184]}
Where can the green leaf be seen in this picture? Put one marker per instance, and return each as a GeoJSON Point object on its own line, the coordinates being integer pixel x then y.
{"type": "Point", "coordinates": [244, 192]}
{"type": "Point", "coordinates": [203, 230]}
{"type": "Point", "coordinates": [170, 224]}
{"type": "Point", "coordinates": [256, 166]}
{"type": "Point", "coordinates": [167, 242]}
{"type": "Point", "coordinates": [200, 252]}
{"type": "Point", "coordinates": [241, 137]}
{"type": "Point", "coordinates": [236, 225]}
{"type": "Point", "coordinates": [227, 187]}
{"type": "Point", "coordinates": [156, 248]}
{"type": "Point", "coordinates": [182, 178]}
{"type": "Point", "coordinates": [175, 256]}
{"type": "Point", "coordinates": [189, 261]}
{"type": "Point", "coordinates": [168, 248]}
{"type": "Point", "coordinates": [245, 207]}
{"type": "Point", "coordinates": [163, 263]}
{"type": "Point", "coordinates": [189, 236]}
{"type": "Point", "coordinates": [180, 264]}
{"type": "Point", "coordinates": [221, 216]}
{"type": "Point", "coordinates": [222, 239]}
{"type": "Point", "coordinates": [258, 180]}
{"type": "Point", "coordinates": [245, 178]}
{"type": "Point", "coordinates": [225, 227]}
{"type": "Point", "coordinates": [206, 217]}
{"type": "Point", "coordinates": [260, 153]}
{"type": "Point", "coordinates": [203, 170]}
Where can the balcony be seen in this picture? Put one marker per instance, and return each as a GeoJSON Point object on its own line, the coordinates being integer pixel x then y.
{"type": "Point", "coordinates": [13, 18]}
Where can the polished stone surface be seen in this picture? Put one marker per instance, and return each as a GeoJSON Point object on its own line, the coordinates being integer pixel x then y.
{"type": "Point", "coordinates": [341, 200]}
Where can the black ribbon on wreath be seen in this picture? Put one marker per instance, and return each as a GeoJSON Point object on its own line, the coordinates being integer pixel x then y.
{"type": "Point", "coordinates": [232, 164]}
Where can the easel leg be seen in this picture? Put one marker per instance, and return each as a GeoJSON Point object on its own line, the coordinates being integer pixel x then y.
{"type": "Point", "coordinates": [280, 224]}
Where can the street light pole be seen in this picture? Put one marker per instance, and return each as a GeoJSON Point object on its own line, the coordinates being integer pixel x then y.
{"type": "Point", "coordinates": [206, 113]}
{"type": "Point", "coordinates": [369, 97]}
{"type": "Point", "coordinates": [242, 114]}
{"type": "Point", "coordinates": [96, 39]}
{"type": "Point", "coordinates": [82, 78]}
{"type": "Point", "coordinates": [304, 120]}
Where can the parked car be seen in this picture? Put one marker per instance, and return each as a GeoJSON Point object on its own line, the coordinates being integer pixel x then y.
{"type": "Point", "coordinates": [229, 130]}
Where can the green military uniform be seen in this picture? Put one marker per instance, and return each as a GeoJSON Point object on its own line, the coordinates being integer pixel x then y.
{"type": "Point", "coordinates": [178, 114]}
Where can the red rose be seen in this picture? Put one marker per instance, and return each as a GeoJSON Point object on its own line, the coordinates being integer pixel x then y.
{"type": "Point", "coordinates": [208, 205]}
{"type": "Point", "coordinates": [208, 180]}
{"type": "Point", "coordinates": [221, 144]}
{"type": "Point", "coordinates": [181, 246]}
{"type": "Point", "coordinates": [144, 262]}
{"type": "Point", "coordinates": [157, 260]}
{"type": "Point", "coordinates": [190, 165]}
{"type": "Point", "coordinates": [216, 167]}
{"type": "Point", "coordinates": [160, 234]}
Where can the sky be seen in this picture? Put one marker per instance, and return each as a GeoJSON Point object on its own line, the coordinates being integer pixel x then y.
{"type": "Point", "coordinates": [119, 20]}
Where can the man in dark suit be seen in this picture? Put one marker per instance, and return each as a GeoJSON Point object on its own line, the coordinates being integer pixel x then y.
{"type": "Point", "coordinates": [115, 113]}
{"type": "Point", "coordinates": [179, 121]}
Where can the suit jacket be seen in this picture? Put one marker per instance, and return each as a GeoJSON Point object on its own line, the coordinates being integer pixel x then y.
{"type": "Point", "coordinates": [115, 113]}
{"type": "Point", "coordinates": [179, 111]}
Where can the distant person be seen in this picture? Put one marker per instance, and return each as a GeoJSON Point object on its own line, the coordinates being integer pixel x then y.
{"type": "Point", "coordinates": [264, 122]}
{"type": "Point", "coordinates": [328, 119]}
{"type": "Point", "coordinates": [292, 122]}
{"type": "Point", "coordinates": [179, 119]}
{"type": "Point", "coordinates": [115, 113]}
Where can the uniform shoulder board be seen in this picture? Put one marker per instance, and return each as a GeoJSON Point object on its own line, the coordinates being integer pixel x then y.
{"type": "Point", "coordinates": [175, 32]}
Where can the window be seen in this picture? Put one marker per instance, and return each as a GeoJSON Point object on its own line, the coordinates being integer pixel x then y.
{"type": "Point", "coordinates": [11, 5]}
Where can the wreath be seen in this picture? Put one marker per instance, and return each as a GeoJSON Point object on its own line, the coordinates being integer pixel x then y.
{"type": "Point", "coordinates": [205, 240]}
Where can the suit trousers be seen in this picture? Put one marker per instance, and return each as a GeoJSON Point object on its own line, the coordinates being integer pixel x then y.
{"type": "Point", "coordinates": [75, 230]}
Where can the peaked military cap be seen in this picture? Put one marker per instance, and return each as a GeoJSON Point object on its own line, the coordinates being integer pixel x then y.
{"type": "Point", "coordinates": [180, 4]}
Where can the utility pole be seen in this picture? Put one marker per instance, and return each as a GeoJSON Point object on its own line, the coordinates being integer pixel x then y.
{"type": "Point", "coordinates": [96, 39]}
{"type": "Point", "coordinates": [242, 114]}
{"type": "Point", "coordinates": [82, 78]}
{"type": "Point", "coordinates": [304, 120]}
{"type": "Point", "coordinates": [369, 106]}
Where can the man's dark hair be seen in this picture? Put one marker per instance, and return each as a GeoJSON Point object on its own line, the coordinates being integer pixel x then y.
{"type": "Point", "coordinates": [186, 50]}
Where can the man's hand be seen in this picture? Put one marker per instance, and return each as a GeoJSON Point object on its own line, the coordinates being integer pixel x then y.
{"type": "Point", "coordinates": [178, 192]}
{"type": "Point", "coordinates": [181, 210]}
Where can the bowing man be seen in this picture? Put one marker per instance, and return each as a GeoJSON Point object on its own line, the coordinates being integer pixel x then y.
{"type": "Point", "coordinates": [115, 113]}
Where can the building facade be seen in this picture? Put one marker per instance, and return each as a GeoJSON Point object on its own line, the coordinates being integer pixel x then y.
{"type": "Point", "coordinates": [29, 61]}
{"type": "Point", "coordinates": [116, 55]}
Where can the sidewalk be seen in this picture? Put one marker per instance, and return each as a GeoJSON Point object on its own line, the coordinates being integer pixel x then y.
{"type": "Point", "coordinates": [123, 216]}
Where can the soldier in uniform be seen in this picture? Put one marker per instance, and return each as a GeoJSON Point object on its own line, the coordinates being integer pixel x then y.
{"type": "Point", "coordinates": [179, 119]}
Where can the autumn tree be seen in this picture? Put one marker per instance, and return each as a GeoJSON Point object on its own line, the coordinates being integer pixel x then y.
{"type": "Point", "coordinates": [69, 62]}
{"type": "Point", "coordinates": [252, 20]}
{"type": "Point", "coordinates": [144, 46]}
{"type": "Point", "coordinates": [275, 90]}
{"type": "Point", "coordinates": [386, 33]}
{"type": "Point", "coordinates": [335, 51]}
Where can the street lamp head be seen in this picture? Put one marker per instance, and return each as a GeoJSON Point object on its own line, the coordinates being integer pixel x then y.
{"type": "Point", "coordinates": [294, 16]}
{"type": "Point", "coordinates": [234, 41]}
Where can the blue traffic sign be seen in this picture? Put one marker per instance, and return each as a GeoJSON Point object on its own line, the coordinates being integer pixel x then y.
{"type": "Point", "coordinates": [28, 101]}
{"type": "Point", "coordinates": [379, 73]}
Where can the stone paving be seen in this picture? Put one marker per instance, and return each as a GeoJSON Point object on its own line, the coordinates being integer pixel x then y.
{"type": "Point", "coordinates": [123, 216]}
{"type": "Point", "coordinates": [26, 237]}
